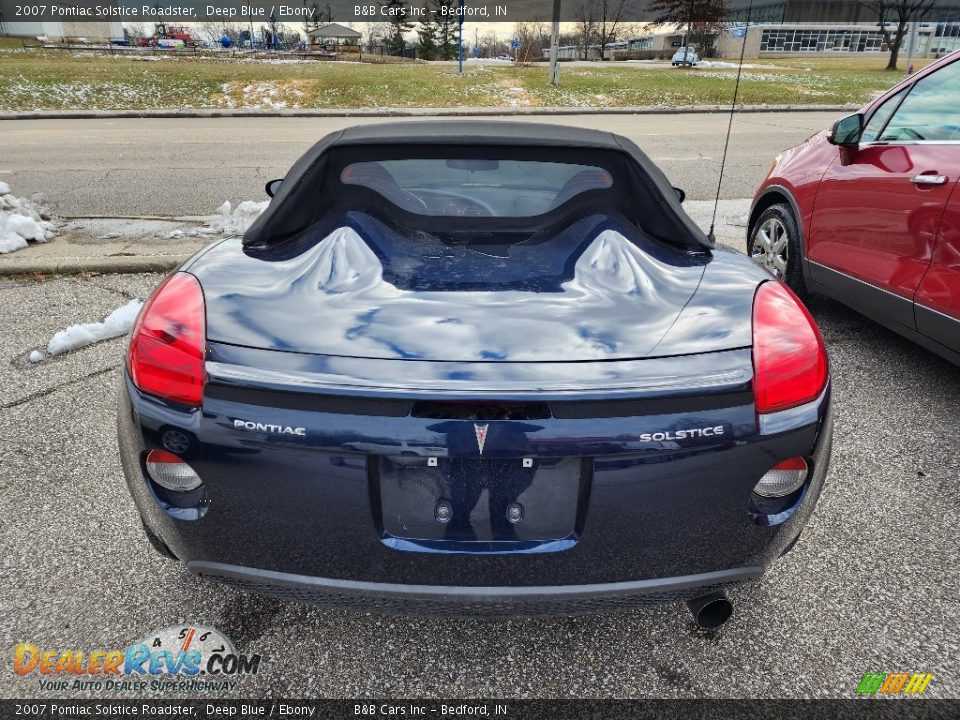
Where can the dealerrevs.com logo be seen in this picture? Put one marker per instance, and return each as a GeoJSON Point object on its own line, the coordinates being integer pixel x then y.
{"type": "Point", "coordinates": [181, 657]}
{"type": "Point", "coordinates": [894, 683]}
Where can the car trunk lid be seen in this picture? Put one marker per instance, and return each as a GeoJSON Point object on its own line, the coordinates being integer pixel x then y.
{"type": "Point", "coordinates": [595, 291]}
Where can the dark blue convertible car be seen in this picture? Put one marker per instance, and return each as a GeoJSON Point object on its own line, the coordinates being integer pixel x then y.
{"type": "Point", "coordinates": [476, 368]}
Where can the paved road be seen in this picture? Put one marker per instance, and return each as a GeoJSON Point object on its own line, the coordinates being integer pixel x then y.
{"type": "Point", "coordinates": [177, 167]}
{"type": "Point", "coordinates": [871, 586]}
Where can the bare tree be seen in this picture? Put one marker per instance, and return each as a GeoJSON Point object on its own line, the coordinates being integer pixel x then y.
{"type": "Point", "coordinates": [609, 14]}
{"type": "Point", "coordinates": [586, 24]}
{"type": "Point", "coordinates": [490, 45]}
{"type": "Point", "coordinates": [900, 13]}
{"type": "Point", "coordinates": [378, 34]}
{"type": "Point", "coordinates": [272, 29]}
{"type": "Point", "coordinates": [135, 30]}
{"type": "Point", "coordinates": [532, 36]}
{"type": "Point", "coordinates": [213, 31]}
{"type": "Point", "coordinates": [703, 34]}
{"type": "Point", "coordinates": [701, 20]}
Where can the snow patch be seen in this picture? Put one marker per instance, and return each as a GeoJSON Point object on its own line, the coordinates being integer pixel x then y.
{"type": "Point", "coordinates": [114, 325]}
{"type": "Point", "coordinates": [489, 61]}
{"type": "Point", "coordinates": [23, 219]}
{"type": "Point", "coordinates": [717, 64]}
{"type": "Point", "coordinates": [233, 220]}
{"type": "Point", "coordinates": [722, 64]}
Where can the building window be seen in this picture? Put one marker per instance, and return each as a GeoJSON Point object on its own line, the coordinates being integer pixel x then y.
{"type": "Point", "coordinates": [778, 40]}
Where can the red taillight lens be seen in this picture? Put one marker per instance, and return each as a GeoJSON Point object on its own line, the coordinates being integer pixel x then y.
{"type": "Point", "coordinates": [794, 463]}
{"type": "Point", "coordinates": [167, 344]}
{"type": "Point", "coordinates": [789, 359]}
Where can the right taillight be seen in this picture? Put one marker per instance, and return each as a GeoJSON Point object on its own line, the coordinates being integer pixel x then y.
{"type": "Point", "coordinates": [789, 358]}
{"type": "Point", "coordinates": [167, 344]}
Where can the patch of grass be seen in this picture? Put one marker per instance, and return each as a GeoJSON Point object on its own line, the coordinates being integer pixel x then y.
{"type": "Point", "coordinates": [10, 43]}
{"type": "Point", "coordinates": [872, 63]}
{"type": "Point", "coordinates": [57, 81]}
{"type": "Point", "coordinates": [61, 80]}
{"type": "Point", "coordinates": [707, 86]}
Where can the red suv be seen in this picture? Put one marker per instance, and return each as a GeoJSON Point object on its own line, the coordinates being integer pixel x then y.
{"type": "Point", "coordinates": [869, 213]}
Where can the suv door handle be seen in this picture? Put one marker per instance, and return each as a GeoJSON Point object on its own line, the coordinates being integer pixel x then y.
{"type": "Point", "coordinates": [929, 179]}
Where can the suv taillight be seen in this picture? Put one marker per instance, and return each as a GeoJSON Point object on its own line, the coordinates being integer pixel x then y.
{"type": "Point", "coordinates": [789, 359]}
{"type": "Point", "coordinates": [166, 352]}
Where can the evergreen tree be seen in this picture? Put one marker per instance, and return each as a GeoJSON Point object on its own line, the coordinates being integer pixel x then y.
{"type": "Point", "coordinates": [398, 25]}
{"type": "Point", "coordinates": [427, 39]}
{"type": "Point", "coordinates": [446, 29]}
{"type": "Point", "coordinates": [311, 23]}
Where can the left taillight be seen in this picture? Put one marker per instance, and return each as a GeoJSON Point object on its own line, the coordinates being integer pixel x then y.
{"type": "Point", "coordinates": [166, 354]}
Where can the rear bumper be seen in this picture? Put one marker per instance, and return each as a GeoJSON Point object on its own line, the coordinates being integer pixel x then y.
{"type": "Point", "coordinates": [298, 520]}
{"type": "Point", "coordinates": [491, 601]}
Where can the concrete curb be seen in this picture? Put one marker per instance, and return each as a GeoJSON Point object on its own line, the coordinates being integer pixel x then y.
{"type": "Point", "coordinates": [412, 112]}
{"type": "Point", "coordinates": [74, 266]}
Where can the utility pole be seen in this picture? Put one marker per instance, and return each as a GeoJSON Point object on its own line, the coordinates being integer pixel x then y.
{"type": "Point", "coordinates": [555, 44]}
{"type": "Point", "coordinates": [460, 41]}
{"type": "Point", "coordinates": [911, 46]}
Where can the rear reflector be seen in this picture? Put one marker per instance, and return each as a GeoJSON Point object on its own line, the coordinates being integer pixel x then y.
{"type": "Point", "coordinates": [783, 478]}
{"type": "Point", "coordinates": [170, 472]}
{"type": "Point", "coordinates": [789, 359]}
{"type": "Point", "coordinates": [167, 344]}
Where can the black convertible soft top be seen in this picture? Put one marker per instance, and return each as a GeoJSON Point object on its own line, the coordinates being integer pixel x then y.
{"type": "Point", "coordinates": [300, 201]}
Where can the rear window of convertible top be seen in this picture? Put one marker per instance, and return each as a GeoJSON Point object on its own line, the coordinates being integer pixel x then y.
{"type": "Point", "coordinates": [476, 187]}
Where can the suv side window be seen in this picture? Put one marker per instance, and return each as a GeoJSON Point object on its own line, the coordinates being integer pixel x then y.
{"type": "Point", "coordinates": [881, 115]}
{"type": "Point", "coordinates": [930, 112]}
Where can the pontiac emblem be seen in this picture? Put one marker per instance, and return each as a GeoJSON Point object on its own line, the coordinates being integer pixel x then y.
{"type": "Point", "coordinates": [481, 431]}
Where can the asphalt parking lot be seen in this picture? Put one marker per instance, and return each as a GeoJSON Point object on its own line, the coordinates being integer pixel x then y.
{"type": "Point", "coordinates": [870, 587]}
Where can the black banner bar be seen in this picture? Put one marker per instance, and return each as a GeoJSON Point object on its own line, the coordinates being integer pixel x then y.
{"type": "Point", "coordinates": [414, 11]}
{"type": "Point", "coordinates": [864, 709]}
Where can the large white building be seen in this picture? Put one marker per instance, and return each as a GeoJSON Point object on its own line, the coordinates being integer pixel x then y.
{"type": "Point", "coordinates": [56, 30]}
{"type": "Point", "coordinates": [781, 39]}
{"type": "Point", "coordinates": [768, 40]}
